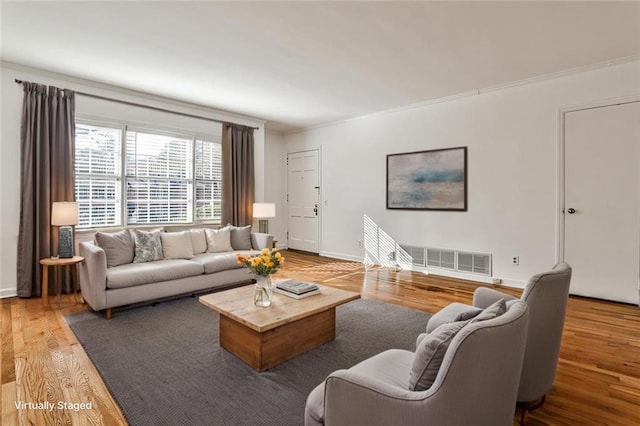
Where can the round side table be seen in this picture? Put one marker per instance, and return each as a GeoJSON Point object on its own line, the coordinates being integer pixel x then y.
{"type": "Point", "coordinates": [71, 262]}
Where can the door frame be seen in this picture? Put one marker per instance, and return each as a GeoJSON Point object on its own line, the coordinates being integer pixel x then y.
{"type": "Point", "coordinates": [320, 202]}
{"type": "Point", "coordinates": [560, 166]}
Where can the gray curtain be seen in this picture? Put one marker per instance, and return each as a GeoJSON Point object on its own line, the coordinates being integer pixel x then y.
{"type": "Point", "coordinates": [238, 186]}
{"type": "Point", "coordinates": [47, 175]}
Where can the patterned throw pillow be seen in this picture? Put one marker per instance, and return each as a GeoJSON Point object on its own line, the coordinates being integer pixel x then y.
{"type": "Point", "coordinates": [148, 246]}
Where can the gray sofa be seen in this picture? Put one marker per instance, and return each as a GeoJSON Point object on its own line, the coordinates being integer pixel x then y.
{"type": "Point", "coordinates": [106, 284]}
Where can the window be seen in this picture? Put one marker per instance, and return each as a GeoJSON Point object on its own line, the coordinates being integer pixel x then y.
{"type": "Point", "coordinates": [168, 178]}
{"type": "Point", "coordinates": [98, 176]}
{"type": "Point", "coordinates": [159, 171]}
{"type": "Point", "coordinates": [208, 180]}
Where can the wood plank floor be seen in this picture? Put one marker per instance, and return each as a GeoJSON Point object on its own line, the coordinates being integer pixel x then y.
{"type": "Point", "coordinates": [598, 379]}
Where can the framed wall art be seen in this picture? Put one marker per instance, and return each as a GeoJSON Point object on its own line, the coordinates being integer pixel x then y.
{"type": "Point", "coordinates": [428, 180]}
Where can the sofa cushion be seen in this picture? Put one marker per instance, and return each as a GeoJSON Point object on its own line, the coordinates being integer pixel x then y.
{"type": "Point", "coordinates": [176, 245]}
{"type": "Point", "coordinates": [117, 246]}
{"type": "Point", "coordinates": [134, 274]}
{"type": "Point", "coordinates": [240, 237]}
{"type": "Point", "coordinates": [216, 262]}
{"type": "Point", "coordinates": [198, 240]}
{"type": "Point", "coordinates": [218, 240]}
{"type": "Point", "coordinates": [430, 354]}
{"type": "Point", "coordinates": [148, 246]}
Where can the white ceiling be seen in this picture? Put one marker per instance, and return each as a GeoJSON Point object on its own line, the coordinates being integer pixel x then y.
{"type": "Point", "coordinates": [301, 64]}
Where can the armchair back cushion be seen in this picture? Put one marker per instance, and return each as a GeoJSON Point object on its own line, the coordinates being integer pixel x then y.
{"type": "Point", "coordinates": [546, 295]}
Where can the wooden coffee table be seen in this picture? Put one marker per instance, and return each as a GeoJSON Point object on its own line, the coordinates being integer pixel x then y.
{"type": "Point", "coordinates": [266, 337]}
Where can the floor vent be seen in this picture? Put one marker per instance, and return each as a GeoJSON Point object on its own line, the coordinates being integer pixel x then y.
{"type": "Point", "coordinates": [477, 263]}
{"type": "Point", "coordinates": [441, 258]}
{"type": "Point", "coordinates": [415, 255]}
{"type": "Point", "coordinates": [452, 260]}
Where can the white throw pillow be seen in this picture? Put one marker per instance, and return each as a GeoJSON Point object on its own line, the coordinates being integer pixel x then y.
{"type": "Point", "coordinates": [176, 245]}
{"type": "Point", "coordinates": [198, 240]}
{"type": "Point", "coordinates": [218, 240]}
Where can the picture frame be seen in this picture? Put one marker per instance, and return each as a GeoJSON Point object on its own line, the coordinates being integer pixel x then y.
{"type": "Point", "coordinates": [428, 180]}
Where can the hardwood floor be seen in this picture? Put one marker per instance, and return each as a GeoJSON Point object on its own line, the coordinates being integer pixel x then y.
{"type": "Point", "coordinates": [597, 383]}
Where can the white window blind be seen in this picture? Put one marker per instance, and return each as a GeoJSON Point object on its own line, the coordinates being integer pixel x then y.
{"type": "Point", "coordinates": [98, 175]}
{"type": "Point", "coordinates": [208, 171]}
{"type": "Point", "coordinates": [148, 176]}
{"type": "Point", "coordinates": [159, 178]}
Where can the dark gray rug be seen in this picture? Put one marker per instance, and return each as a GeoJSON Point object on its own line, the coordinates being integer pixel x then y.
{"type": "Point", "coordinates": [163, 364]}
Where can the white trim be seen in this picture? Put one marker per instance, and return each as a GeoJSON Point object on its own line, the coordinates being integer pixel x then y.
{"type": "Point", "coordinates": [8, 292]}
{"type": "Point", "coordinates": [470, 93]}
{"type": "Point", "coordinates": [342, 256]}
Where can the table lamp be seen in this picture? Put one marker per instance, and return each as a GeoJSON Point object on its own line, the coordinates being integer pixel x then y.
{"type": "Point", "coordinates": [262, 211]}
{"type": "Point", "coordinates": [65, 214]}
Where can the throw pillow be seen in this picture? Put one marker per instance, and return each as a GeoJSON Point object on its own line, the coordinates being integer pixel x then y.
{"type": "Point", "coordinates": [176, 245]}
{"type": "Point", "coordinates": [118, 247]}
{"type": "Point", "coordinates": [240, 237]}
{"type": "Point", "coordinates": [430, 354]}
{"type": "Point", "coordinates": [492, 311]}
{"type": "Point", "coordinates": [467, 315]}
{"type": "Point", "coordinates": [198, 240]}
{"type": "Point", "coordinates": [218, 240]}
{"type": "Point", "coordinates": [148, 246]}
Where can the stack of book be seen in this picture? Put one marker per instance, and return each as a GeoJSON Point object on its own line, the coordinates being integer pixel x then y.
{"type": "Point", "coordinates": [296, 289]}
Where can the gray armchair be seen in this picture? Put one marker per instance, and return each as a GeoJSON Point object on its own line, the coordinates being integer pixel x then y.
{"type": "Point", "coordinates": [546, 295]}
{"type": "Point", "coordinates": [476, 383]}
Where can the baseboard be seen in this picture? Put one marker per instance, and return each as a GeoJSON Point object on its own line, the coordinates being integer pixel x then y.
{"type": "Point", "coordinates": [8, 292]}
{"type": "Point", "coordinates": [341, 256]}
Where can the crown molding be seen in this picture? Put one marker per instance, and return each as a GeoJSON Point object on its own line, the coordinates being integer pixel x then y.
{"type": "Point", "coordinates": [523, 82]}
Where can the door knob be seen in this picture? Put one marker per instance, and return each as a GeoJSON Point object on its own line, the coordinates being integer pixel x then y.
{"type": "Point", "coordinates": [315, 210]}
{"type": "Point", "coordinates": [571, 211]}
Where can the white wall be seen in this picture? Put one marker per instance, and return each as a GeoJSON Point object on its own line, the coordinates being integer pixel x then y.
{"type": "Point", "coordinates": [274, 179]}
{"type": "Point", "coordinates": [512, 137]}
{"type": "Point", "coordinates": [10, 116]}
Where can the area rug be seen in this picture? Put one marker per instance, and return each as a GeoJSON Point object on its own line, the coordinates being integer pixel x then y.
{"type": "Point", "coordinates": [164, 366]}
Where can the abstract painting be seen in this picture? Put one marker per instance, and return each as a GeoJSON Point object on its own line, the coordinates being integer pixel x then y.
{"type": "Point", "coordinates": [428, 180]}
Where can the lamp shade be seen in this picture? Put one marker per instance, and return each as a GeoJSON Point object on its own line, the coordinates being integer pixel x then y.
{"type": "Point", "coordinates": [262, 210]}
{"type": "Point", "coordinates": [64, 213]}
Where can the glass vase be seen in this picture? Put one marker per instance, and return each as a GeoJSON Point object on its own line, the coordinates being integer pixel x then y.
{"type": "Point", "coordinates": [262, 292]}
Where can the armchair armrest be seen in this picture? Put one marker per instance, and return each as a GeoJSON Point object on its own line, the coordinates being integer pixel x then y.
{"type": "Point", "coordinates": [260, 241]}
{"type": "Point", "coordinates": [483, 297]}
{"type": "Point", "coordinates": [93, 275]}
{"type": "Point", "coordinates": [356, 399]}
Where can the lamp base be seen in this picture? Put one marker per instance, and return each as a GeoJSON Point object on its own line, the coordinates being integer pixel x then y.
{"type": "Point", "coordinates": [65, 242]}
{"type": "Point", "coordinates": [263, 226]}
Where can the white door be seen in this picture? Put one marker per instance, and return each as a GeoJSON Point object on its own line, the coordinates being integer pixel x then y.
{"type": "Point", "coordinates": [602, 185]}
{"type": "Point", "coordinates": [303, 187]}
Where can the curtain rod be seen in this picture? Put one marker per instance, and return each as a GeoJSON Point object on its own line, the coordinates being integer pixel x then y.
{"type": "Point", "coordinates": [104, 98]}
